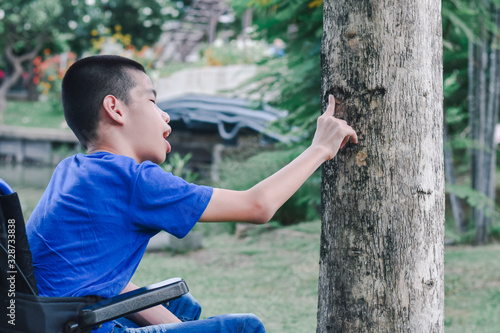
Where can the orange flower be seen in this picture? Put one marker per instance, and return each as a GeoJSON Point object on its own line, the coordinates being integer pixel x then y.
{"type": "Point", "coordinates": [37, 61]}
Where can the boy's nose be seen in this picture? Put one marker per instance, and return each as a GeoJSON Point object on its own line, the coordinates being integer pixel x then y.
{"type": "Point", "coordinates": [166, 117]}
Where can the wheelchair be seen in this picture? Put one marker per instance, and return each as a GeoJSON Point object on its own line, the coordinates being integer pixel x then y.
{"type": "Point", "coordinates": [24, 311]}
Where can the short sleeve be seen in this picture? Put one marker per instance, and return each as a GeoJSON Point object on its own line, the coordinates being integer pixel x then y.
{"type": "Point", "coordinates": [162, 201]}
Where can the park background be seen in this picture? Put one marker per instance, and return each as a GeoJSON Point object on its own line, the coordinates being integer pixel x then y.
{"type": "Point", "coordinates": [271, 270]}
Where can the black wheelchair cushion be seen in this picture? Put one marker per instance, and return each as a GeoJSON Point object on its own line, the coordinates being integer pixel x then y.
{"type": "Point", "coordinates": [40, 314]}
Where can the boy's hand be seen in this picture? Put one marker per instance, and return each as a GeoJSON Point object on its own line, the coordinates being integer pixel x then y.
{"type": "Point", "coordinates": [259, 203]}
{"type": "Point", "coordinates": [332, 133]}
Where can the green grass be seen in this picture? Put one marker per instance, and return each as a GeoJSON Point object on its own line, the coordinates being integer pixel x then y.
{"type": "Point", "coordinates": [472, 289]}
{"type": "Point", "coordinates": [46, 114]}
{"type": "Point", "coordinates": [273, 272]}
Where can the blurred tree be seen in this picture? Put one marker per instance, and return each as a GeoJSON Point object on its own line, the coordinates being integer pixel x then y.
{"type": "Point", "coordinates": [27, 26]}
{"type": "Point", "coordinates": [484, 102]}
{"type": "Point", "coordinates": [458, 20]}
{"type": "Point", "coordinates": [141, 20]}
{"type": "Point", "coordinates": [471, 91]}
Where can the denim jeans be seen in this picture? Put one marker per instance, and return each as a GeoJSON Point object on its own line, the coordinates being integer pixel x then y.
{"type": "Point", "coordinates": [187, 309]}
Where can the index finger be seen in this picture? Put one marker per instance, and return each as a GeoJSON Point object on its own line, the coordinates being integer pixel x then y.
{"type": "Point", "coordinates": [330, 110]}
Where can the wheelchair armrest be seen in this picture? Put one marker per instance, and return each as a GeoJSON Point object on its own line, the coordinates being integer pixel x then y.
{"type": "Point", "coordinates": [130, 302]}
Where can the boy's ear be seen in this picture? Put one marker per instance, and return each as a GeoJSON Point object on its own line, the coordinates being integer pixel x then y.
{"type": "Point", "coordinates": [113, 109]}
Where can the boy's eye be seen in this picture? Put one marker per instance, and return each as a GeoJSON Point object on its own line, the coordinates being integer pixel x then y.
{"type": "Point", "coordinates": [152, 100]}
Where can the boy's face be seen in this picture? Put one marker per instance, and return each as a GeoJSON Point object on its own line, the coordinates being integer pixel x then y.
{"type": "Point", "coordinates": [148, 125]}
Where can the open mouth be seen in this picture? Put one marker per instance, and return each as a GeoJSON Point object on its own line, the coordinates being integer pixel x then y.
{"type": "Point", "coordinates": [166, 134]}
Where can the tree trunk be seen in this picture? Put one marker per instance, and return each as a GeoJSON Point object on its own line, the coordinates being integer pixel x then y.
{"type": "Point", "coordinates": [16, 61]}
{"type": "Point", "coordinates": [479, 139]}
{"type": "Point", "coordinates": [381, 259]}
{"type": "Point", "coordinates": [31, 87]}
{"type": "Point", "coordinates": [491, 121]}
{"type": "Point", "coordinates": [246, 22]}
{"type": "Point", "coordinates": [212, 26]}
{"type": "Point", "coordinates": [456, 206]}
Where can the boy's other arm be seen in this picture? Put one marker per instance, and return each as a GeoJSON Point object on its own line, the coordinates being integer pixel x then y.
{"type": "Point", "coordinates": [259, 203]}
{"type": "Point", "coordinates": [152, 316]}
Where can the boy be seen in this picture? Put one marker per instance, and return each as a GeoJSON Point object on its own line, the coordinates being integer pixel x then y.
{"type": "Point", "coordinates": [90, 229]}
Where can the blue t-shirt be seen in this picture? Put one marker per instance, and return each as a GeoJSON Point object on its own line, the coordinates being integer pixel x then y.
{"type": "Point", "coordinates": [90, 229]}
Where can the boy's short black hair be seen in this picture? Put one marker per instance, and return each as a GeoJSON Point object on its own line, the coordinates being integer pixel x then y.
{"type": "Point", "coordinates": [85, 85]}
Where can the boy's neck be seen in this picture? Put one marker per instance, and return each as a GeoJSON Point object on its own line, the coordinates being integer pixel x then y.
{"type": "Point", "coordinates": [92, 149]}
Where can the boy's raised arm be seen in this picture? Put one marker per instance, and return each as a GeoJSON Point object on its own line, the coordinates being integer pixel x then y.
{"type": "Point", "coordinates": [259, 203]}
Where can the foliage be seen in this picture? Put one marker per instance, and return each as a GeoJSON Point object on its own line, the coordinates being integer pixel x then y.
{"type": "Point", "coordinates": [141, 19]}
{"type": "Point", "coordinates": [297, 75]}
{"type": "Point", "coordinates": [60, 26]}
{"type": "Point", "coordinates": [294, 82]}
{"type": "Point", "coordinates": [48, 73]}
{"type": "Point", "coordinates": [138, 22]}
{"type": "Point", "coordinates": [474, 198]}
{"type": "Point", "coordinates": [240, 174]}
{"type": "Point", "coordinates": [119, 44]}
{"type": "Point", "coordinates": [235, 52]}
{"type": "Point", "coordinates": [177, 165]}
{"type": "Point", "coordinates": [25, 26]}
{"type": "Point", "coordinates": [25, 21]}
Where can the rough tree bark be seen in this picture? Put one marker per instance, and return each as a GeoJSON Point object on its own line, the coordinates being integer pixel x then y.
{"type": "Point", "coordinates": [381, 260]}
